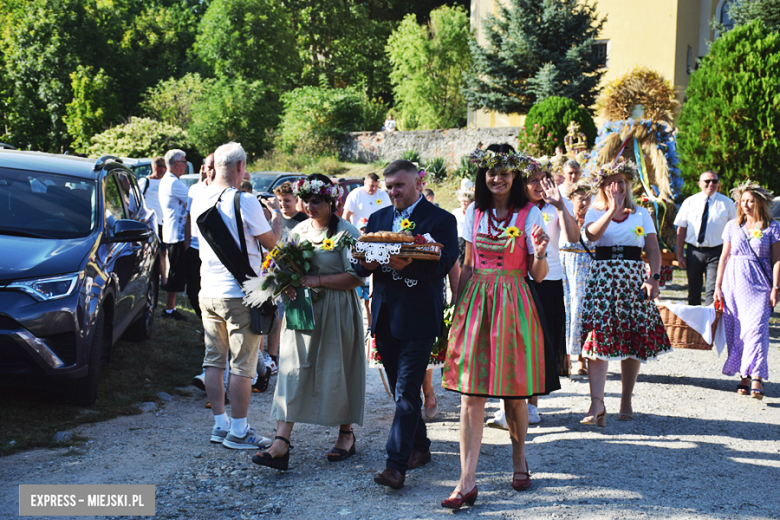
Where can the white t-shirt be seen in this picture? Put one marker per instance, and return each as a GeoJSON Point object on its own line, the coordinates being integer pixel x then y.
{"type": "Point", "coordinates": [362, 205]}
{"type": "Point", "coordinates": [622, 233]}
{"type": "Point", "coordinates": [721, 210]}
{"type": "Point", "coordinates": [460, 218]}
{"type": "Point", "coordinates": [534, 217]}
{"type": "Point", "coordinates": [552, 225]}
{"type": "Point", "coordinates": [174, 200]}
{"type": "Point", "coordinates": [215, 280]}
{"type": "Point", "coordinates": [195, 191]}
{"type": "Point", "coordinates": [151, 197]}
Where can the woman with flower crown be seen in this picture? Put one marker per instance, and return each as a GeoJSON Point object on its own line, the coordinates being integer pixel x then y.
{"type": "Point", "coordinates": [322, 372]}
{"type": "Point", "coordinates": [496, 345]}
{"type": "Point", "coordinates": [620, 321]}
{"type": "Point", "coordinates": [748, 283]}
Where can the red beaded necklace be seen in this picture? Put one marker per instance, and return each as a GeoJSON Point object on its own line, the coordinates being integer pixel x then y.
{"type": "Point", "coordinates": [497, 226]}
{"type": "Point", "coordinates": [618, 221]}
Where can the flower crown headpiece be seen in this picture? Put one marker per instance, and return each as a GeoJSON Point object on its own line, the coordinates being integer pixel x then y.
{"type": "Point", "coordinates": [303, 187]}
{"type": "Point", "coordinates": [491, 160]}
{"type": "Point", "coordinates": [754, 188]}
{"type": "Point", "coordinates": [583, 185]}
{"type": "Point", "coordinates": [627, 169]}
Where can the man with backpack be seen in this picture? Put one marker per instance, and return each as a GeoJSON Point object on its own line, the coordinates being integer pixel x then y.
{"type": "Point", "coordinates": [229, 336]}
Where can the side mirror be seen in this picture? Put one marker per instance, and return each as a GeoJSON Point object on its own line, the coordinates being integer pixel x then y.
{"type": "Point", "coordinates": [126, 230]}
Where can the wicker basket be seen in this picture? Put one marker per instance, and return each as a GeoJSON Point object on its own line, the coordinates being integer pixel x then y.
{"type": "Point", "coordinates": [681, 334]}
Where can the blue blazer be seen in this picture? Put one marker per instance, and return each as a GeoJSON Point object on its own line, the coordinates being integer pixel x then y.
{"type": "Point", "coordinates": [415, 312]}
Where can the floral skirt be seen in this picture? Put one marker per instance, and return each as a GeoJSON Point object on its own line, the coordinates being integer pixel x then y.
{"type": "Point", "coordinates": [616, 324]}
{"type": "Point", "coordinates": [496, 344]}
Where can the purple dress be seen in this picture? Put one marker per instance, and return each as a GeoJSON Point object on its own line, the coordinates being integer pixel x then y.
{"type": "Point", "coordinates": [746, 300]}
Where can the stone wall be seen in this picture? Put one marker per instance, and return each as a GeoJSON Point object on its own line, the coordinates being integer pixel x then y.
{"type": "Point", "coordinates": [367, 147]}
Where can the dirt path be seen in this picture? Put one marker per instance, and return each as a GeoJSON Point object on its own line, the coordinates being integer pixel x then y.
{"type": "Point", "coordinates": [695, 450]}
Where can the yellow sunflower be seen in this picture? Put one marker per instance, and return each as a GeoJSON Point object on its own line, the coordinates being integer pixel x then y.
{"type": "Point", "coordinates": [757, 234]}
{"type": "Point", "coordinates": [407, 224]}
{"type": "Point", "coordinates": [640, 231]}
{"type": "Point", "coordinates": [546, 217]}
{"type": "Point", "coordinates": [378, 201]}
{"type": "Point", "coordinates": [513, 231]}
{"type": "Point", "coordinates": [273, 253]}
{"type": "Point", "coordinates": [327, 244]}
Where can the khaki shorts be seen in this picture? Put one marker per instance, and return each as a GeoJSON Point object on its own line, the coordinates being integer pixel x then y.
{"type": "Point", "coordinates": [226, 325]}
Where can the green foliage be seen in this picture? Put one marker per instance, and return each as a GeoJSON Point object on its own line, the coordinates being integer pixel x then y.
{"type": "Point", "coordinates": [140, 137]}
{"type": "Point", "coordinates": [234, 110]}
{"type": "Point", "coordinates": [536, 142]}
{"type": "Point", "coordinates": [42, 42]}
{"type": "Point", "coordinates": [555, 114]}
{"type": "Point", "coordinates": [428, 66]}
{"type": "Point", "coordinates": [466, 169]}
{"type": "Point", "coordinates": [249, 39]}
{"type": "Point", "coordinates": [411, 155]}
{"type": "Point", "coordinates": [743, 12]}
{"type": "Point", "coordinates": [171, 100]}
{"type": "Point", "coordinates": [314, 117]}
{"type": "Point", "coordinates": [436, 167]}
{"type": "Point", "coordinates": [731, 120]}
{"type": "Point", "coordinates": [527, 35]}
{"type": "Point", "coordinates": [93, 108]}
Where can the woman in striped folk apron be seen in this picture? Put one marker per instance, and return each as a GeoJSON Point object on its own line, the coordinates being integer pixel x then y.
{"type": "Point", "coordinates": [496, 345]}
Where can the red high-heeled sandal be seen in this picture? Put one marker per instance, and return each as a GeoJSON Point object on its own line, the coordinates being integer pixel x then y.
{"type": "Point", "coordinates": [519, 484]}
{"type": "Point", "coordinates": [459, 499]}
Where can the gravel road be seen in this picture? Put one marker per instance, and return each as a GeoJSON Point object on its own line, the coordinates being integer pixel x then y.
{"type": "Point", "coordinates": [695, 450]}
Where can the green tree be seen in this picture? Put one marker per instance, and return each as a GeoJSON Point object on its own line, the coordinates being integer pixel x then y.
{"type": "Point", "coordinates": [249, 39]}
{"type": "Point", "coordinates": [140, 137]}
{"type": "Point", "coordinates": [428, 66]}
{"type": "Point", "coordinates": [555, 114]}
{"type": "Point", "coordinates": [524, 37]}
{"type": "Point", "coordinates": [171, 100]}
{"type": "Point", "coordinates": [94, 106]}
{"type": "Point", "coordinates": [234, 110]}
{"type": "Point", "coordinates": [743, 12]}
{"type": "Point", "coordinates": [730, 121]}
{"type": "Point", "coordinates": [314, 117]}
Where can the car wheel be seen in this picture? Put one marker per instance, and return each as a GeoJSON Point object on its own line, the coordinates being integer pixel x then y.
{"type": "Point", "coordinates": [84, 391]}
{"type": "Point", "coordinates": [141, 328]}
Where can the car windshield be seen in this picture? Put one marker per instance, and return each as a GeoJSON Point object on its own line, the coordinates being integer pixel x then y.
{"type": "Point", "coordinates": [46, 205]}
{"type": "Point", "coordinates": [262, 181]}
{"type": "Point", "coordinates": [189, 181]}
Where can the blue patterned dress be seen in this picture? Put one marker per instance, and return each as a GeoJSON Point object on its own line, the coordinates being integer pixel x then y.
{"type": "Point", "coordinates": [576, 266]}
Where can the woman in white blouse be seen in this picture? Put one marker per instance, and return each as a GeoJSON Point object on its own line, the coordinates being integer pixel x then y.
{"type": "Point", "coordinates": [620, 320]}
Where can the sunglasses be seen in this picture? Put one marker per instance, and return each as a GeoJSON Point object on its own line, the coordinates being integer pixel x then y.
{"type": "Point", "coordinates": [708, 181]}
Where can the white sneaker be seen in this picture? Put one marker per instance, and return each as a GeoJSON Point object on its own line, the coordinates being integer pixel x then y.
{"type": "Point", "coordinates": [533, 415]}
{"type": "Point", "coordinates": [498, 421]}
{"type": "Point", "coordinates": [271, 364]}
{"type": "Point", "coordinates": [250, 441]}
{"type": "Point", "coordinates": [199, 381]}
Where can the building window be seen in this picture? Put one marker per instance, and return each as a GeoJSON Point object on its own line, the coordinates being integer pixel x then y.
{"type": "Point", "coordinates": [689, 62]}
{"type": "Point", "coordinates": [601, 53]}
{"type": "Point", "coordinates": [723, 14]}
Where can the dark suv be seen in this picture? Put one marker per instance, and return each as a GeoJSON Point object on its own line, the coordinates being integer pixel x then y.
{"type": "Point", "coordinates": [78, 268]}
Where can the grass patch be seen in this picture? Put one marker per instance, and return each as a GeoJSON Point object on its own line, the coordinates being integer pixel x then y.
{"type": "Point", "coordinates": [136, 373]}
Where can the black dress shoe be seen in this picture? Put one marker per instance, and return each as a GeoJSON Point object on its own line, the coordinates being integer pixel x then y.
{"type": "Point", "coordinates": [419, 458]}
{"type": "Point", "coordinates": [390, 477]}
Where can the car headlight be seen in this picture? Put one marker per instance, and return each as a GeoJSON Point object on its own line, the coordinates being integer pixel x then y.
{"type": "Point", "coordinates": [48, 288]}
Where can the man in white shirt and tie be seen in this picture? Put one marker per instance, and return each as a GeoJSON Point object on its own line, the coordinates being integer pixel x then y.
{"type": "Point", "coordinates": [700, 223]}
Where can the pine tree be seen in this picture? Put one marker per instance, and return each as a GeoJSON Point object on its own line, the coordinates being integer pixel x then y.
{"type": "Point", "coordinates": [743, 12]}
{"type": "Point", "coordinates": [526, 37]}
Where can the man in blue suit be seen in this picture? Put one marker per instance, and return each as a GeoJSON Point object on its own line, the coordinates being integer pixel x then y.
{"type": "Point", "coordinates": [406, 312]}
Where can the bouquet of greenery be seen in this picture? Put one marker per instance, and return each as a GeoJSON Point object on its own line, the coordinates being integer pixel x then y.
{"type": "Point", "coordinates": [439, 351]}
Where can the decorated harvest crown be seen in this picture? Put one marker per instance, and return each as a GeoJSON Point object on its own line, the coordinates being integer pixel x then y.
{"type": "Point", "coordinates": [627, 169]}
{"type": "Point", "coordinates": [304, 187]}
{"type": "Point", "coordinates": [754, 188]}
{"type": "Point", "coordinates": [506, 161]}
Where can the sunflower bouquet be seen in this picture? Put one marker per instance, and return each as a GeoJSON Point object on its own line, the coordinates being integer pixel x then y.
{"type": "Point", "coordinates": [284, 266]}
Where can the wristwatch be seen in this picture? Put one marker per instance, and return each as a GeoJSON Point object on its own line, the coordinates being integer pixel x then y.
{"type": "Point", "coordinates": [655, 276]}
{"type": "Point", "coordinates": [541, 257]}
